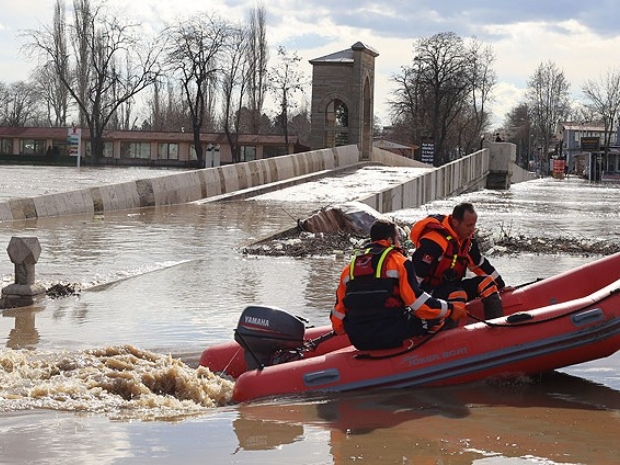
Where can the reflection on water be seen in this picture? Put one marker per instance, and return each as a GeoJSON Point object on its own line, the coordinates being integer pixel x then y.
{"type": "Point", "coordinates": [161, 284]}
{"type": "Point", "coordinates": [25, 334]}
{"type": "Point", "coordinates": [555, 419]}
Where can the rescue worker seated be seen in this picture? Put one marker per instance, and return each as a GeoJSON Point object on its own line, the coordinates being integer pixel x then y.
{"type": "Point", "coordinates": [378, 302]}
{"type": "Point", "coordinates": [445, 248]}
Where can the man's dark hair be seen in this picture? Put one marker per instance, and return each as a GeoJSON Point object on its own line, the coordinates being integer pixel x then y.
{"type": "Point", "coordinates": [382, 229]}
{"type": "Point", "coordinates": [459, 211]}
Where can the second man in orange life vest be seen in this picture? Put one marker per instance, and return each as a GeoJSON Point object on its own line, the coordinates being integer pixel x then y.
{"type": "Point", "coordinates": [445, 248]}
{"type": "Point", "coordinates": [378, 301]}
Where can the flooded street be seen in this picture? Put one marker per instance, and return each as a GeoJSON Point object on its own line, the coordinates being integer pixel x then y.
{"type": "Point", "coordinates": [109, 376]}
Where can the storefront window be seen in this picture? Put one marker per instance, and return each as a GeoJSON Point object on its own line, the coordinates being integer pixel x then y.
{"type": "Point", "coordinates": [136, 150]}
{"type": "Point", "coordinates": [168, 151]}
{"type": "Point", "coordinates": [270, 152]}
{"type": "Point", "coordinates": [33, 146]}
{"type": "Point", "coordinates": [6, 146]}
{"type": "Point", "coordinates": [248, 153]}
{"type": "Point", "coordinates": [108, 149]}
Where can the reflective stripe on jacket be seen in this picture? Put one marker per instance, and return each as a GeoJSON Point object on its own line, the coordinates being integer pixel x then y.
{"type": "Point", "coordinates": [380, 274]}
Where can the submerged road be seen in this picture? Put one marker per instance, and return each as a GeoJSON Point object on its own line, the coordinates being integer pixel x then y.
{"type": "Point", "coordinates": [174, 280]}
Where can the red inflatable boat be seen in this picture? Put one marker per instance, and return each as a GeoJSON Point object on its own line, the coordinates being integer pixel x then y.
{"type": "Point", "coordinates": [563, 320]}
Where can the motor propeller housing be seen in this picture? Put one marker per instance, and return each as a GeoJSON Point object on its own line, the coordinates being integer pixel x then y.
{"type": "Point", "coordinates": [264, 332]}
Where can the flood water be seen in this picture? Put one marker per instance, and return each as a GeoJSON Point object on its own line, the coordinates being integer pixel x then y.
{"type": "Point", "coordinates": [110, 376]}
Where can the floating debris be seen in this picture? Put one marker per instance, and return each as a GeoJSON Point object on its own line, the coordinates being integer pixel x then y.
{"type": "Point", "coordinates": [64, 290]}
{"type": "Point", "coordinates": [297, 243]}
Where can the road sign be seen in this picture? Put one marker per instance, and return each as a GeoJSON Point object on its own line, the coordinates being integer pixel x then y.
{"type": "Point", "coordinates": [590, 144]}
{"type": "Point", "coordinates": [74, 142]}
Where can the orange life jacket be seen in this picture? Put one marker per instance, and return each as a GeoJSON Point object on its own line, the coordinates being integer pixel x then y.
{"type": "Point", "coordinates": [452, 265]}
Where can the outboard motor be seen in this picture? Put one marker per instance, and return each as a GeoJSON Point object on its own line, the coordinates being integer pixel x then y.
{"type": "Point", "coordinates": [268, 336]}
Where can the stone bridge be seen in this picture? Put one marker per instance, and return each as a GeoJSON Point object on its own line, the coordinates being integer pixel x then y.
{"type": "Point", "coordinates": [491, 167]}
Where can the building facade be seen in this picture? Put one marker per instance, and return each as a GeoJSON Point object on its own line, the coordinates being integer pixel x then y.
{"type": "Point", "coordinates": [143, 148]}
{"type": "Point", "coordinates": [584, 161]}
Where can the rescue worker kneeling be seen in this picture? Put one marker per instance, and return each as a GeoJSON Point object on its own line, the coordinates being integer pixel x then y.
{"type": "Point", "coordinates": [378, 301]}
{"type": "Point", "coordinates": [445, 248]}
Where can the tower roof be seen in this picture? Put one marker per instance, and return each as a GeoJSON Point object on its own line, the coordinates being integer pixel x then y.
{"type": "Point", "coordinates": [346, 55]}
{"type": "Point", "coordinates": [343, 56]}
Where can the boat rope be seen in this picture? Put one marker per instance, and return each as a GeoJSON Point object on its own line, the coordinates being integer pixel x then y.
{"type": "Point", "coordinates": [311, 344]}
{"type": "Point", "coordinates": [224, 370]}
{"type": "Point", "coordinates": [412, 346]}
{"type": "Point", "coordinates": [518, 319]}
{"type": "Point", "coordinates": [519, 286]}
{"type": "Point", "coordinates": [526, 319]}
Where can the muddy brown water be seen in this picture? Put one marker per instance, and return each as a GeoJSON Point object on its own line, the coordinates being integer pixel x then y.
{"type": "Point", "coordinates": [109, 376]}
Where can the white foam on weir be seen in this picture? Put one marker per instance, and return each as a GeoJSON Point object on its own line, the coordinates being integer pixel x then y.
{"type": "Point", "coordinates": [334, 189]}
{"type": "Point", "coordinates": [122, 381]}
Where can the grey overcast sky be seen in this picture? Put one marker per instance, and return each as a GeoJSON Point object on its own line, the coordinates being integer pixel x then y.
{"type": "Point", "coordinates": [581, 37]}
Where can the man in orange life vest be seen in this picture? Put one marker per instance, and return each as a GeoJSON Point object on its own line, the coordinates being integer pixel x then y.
{"type": "Point", "coordinates": [445, 248]}
{"type": "Point", "coordinates": [378, 301]}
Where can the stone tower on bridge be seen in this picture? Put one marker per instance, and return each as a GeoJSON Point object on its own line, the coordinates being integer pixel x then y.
{"type": "Point", "coordinates": [343, 85]}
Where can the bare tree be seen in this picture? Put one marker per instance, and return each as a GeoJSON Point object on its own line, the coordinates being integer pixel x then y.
{"type": "Point", "coordinates": [4, 98]}
{"type": "Point", "coordinates": [518, 128]}
{"type": "Point", "coordinates": [194, 52]}
{"type": "Point", "coordinates": [441, 97]}
{"type": "Point", "coordinates": [258, 55]}
{"type": "Point", "coordinates": [581, 113]}
{"type": "Point", "coordinates": [407, 107]}
{"type": "Point", "coordinates": [482, 80]}
{"type": "Point", "coordinates": [107, 40]}
{"type": "Point", "coordinates": [122, 117]}
{"type": "Point", "coordinates": [234, 86]}
{"type": "Point", "coordinates": [52, 95]}
{"type": "Point", "coordinates": [547, 98]}
{"type": "Point", "coordinates": [603, 96]}
{"type": "Point", "coordinates": [81, 37]}
{"type": "Point", "coordinates": [168, 108]}
{"type": "Point", "coordinates": [49, 86]}
{"type": "Point", "coordinates": [300, 125]}
{"type": "Point", "coordinates": [18, 104]}
{"type": "Point", "coordinates": [286, 80]}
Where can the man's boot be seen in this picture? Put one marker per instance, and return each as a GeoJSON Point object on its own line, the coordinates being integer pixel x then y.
{"type": "Point", "coordinates": [492, 306]}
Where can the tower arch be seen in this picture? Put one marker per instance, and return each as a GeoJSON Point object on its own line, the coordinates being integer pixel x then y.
{"type": "Point", "coordinates": [343, 99]}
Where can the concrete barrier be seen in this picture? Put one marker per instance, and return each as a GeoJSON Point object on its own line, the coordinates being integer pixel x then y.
{"type": "Point", "coordinates": [255, 177]}
{"type": "Point", "coordinates": [463, 175]}
{"type": "Point", "coordinates": [179, 188]}
{"type": "Point", "coordinates": [503, 168]}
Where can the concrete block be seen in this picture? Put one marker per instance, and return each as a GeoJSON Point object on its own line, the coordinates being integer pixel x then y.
{"type": "Point", "coordinates": [76, 201]}
{"type": "Point", "coordinates": [285, 168]}
{"type": "Point", "coordinates": [5, 212]}
{"type": "Point", "coordinates": [212, 181]}
{"type": "Point", "coordinates": [45, 206]}
{"type": "Point", "coordinates": [17, 208]}
{"type": "Point", "coordinates": [87, 201]}
{"type": "Point", "coordinates": [244, 176]}
{"type": "Point", "coordinates": [144, 190]}
{"type": "Point", "coordinates": [63, 204]}
{"type": "Point", "coordinates": [161, 191]}
{"type": "Point", "coordinates": [258, 175]}
{"type": "Point", "coordinates": [409, 199]}
{"type": "Point", "coordinates": [191, 183]}
{"type": "Point", "coordinates": [230, 179]}
{"type": "Point", "coordinates": [109, 197]}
